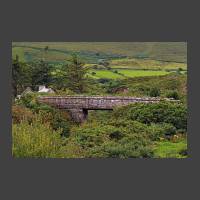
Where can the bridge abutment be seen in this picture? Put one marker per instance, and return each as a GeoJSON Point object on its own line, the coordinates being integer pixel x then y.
{"type": "Point", "coordinates": [79, 115]}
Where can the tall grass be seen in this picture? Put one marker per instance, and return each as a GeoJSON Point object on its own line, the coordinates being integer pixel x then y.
{"type": "Point", "coordinates": [36, 140]}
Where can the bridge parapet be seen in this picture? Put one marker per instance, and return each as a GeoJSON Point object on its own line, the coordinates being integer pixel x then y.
{"type": "Point", "coordinates": [94, 102]}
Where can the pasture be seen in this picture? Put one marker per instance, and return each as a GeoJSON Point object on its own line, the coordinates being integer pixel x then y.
{"type": "Point", "coordinates": [170, 149]}
{"type": "Point", "coordinates": [126, 73]}
{"type": "Point", "coordinates": [134, 63]}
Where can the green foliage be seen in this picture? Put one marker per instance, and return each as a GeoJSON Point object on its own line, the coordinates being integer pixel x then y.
{"type": "Point", "coordinates": [46, 48]}
{"type": "Point", "coordinates": [60, 121]}
{"type": "Point", "coordinates": [41, 73]}
{"type": "Point", "coordinates": [111, 85]}
{"type": "Point", "coordinates": [29, 75]}
{"type": "Point", "coordinates": [57, 119]}
{"type": "Point", "coordinates": [158, 131]}
{"type": "Point", "coordinates": [173, 94]}
{"type": "Point", "coordinates": [163, 112]}
{"type": "Point", "coordinates": [154, 92]}
{"type": "Point", "coordinates": [36, 140]}
{"type": "Point", "coordinates": [106, 140]}
{"type": "Point", "coordinates": [20, 76]}
{"type": "Point", "coordinates": [126, 148]}
{"type": "Point", "coordinates": [75, 75]}
{"type": "Point", "coordinates": [20, 113]}
{"type": "Point", "coordinates": [168, 149]}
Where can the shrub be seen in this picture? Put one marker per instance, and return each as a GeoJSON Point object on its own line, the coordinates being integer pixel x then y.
{"type": "Point", "coordinates": [173, 94]}
{"type": "Point", "coordinates": [61, 122]}
{"type": "Point", "coordinates": [162, 112]}
{"type": "Point", "coordinates": [103, 80]}
{"type": "Point", "coordinates": [158, 131]}
{"type": "Point", "coordinates": [48, 114]}
{"type": "Point", "coordinates": [20, 113]}
{"type": "Point", "coordinates": [154, 92]}
{"type": "Point", "coordinates": [127, 139]}
{"type": "Point", "coordinates": [125, 148]}
{"type": "Point", "coordinates": [180, 69]}
{"type": "Point", "coordinates": [94, 135]}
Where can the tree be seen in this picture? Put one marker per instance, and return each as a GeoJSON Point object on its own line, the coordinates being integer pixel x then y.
{"type": "Point", "coordinates": [76, 79]}
{"type": "Point", "coordinates": [103, 62]}
{"type": "Point", "coordinates": [20, 76]}
{"type": "Point", "coordinates": [41, 73]}
{"type": "Point", "coordinates": [15, 75]}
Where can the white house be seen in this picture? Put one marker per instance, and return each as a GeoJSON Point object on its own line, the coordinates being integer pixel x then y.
{"type": "Point", "coordinates": [42, 88]}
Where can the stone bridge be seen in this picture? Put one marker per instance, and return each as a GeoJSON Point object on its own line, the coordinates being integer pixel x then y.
{"type": "Point", "coordinates": [79, 105]}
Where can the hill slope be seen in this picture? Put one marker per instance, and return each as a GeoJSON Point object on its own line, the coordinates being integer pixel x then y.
{"type": "Point", "coordinates": [91, 51]}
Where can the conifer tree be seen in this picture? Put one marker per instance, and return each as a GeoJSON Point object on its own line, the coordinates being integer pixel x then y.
{"type": "Point", "coordinates": [76, 79]}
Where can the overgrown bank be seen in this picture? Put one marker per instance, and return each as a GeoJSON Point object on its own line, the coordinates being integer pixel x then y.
{"type": "Point", "coordinates": [134, 131]}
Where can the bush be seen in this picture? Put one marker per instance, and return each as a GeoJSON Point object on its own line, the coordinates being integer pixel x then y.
{"type": "Point", "coordinates": [158, 131]}
{"type": "Point", "coordinates": [20, 113]}
{"type": "Point", "coordinates": [56, 118]}
{"type": "Point", "coordinates": [173, 94]}
{"type": "Point", "coordinates": [125, 148]}
{"type": "Point", "coordinates": [154, 92]}
{"type": "Point", "coordinates": [126, 140]}
{"type": "Point", "coordinates": [94, 135]}
{"type": "Point", "coordinates": [162, 112]}
{"type": "Point", "coordinates": [152, 131]}
{"type": "Point", "coordinates": [61, 122]}
{"type": "Point", "coordinates": [103, 80]}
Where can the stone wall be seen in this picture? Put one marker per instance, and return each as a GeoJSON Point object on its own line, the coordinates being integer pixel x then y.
{"type": "Point", "coordinates": [94, 102]}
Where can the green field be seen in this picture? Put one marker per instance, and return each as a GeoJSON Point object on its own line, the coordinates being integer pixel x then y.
{"type": "Point", "coordinates": [170, 149]}
{"type": "Point", "coordinates": [140, 73]}
{"type": "Point", "coordinates": [125, 73]}
{"type": "Point", "coordinates": [134, 63]}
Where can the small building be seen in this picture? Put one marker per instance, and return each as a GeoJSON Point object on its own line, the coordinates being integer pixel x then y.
{"type": "Point", "coordinates": [43, 89]}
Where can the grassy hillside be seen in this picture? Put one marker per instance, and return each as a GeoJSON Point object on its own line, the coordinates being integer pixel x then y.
{"type": "Point", "coordinates": [92, 51]}
{"type": "Point", "coordinates": [135, 63]}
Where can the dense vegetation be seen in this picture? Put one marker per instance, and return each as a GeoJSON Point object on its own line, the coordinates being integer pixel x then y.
{"type": "Point", "coordinates": [134, 131]}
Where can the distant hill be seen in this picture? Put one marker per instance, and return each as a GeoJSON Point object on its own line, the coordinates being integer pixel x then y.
{"type": "Point", "coordinates": [92, 51]}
